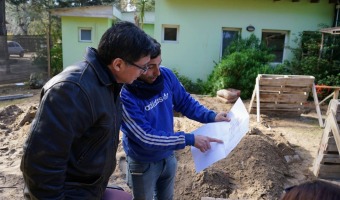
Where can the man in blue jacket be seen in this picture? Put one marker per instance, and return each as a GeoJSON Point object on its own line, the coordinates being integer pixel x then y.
{"type": "Point", "coordinates": [149, 139]}
{"type": "Point", "coordinates": [71, 147]}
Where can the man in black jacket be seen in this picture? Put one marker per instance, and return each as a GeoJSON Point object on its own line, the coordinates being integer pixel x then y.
{"type": "Point", "coordinates": [71, 147]}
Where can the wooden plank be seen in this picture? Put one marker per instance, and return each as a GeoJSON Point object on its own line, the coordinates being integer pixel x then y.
{"type": "Point", "coordinates": [252, 99]}
{"type": "Point", "coordinates": [287, 82]}
{"type": "Point", "coordinates": [257, 85]}
{"type": "Point", "coordinates": [284, 76]}
{"type": "Point", "coordinates": [330, 158]}
{"type": "Point", "coordinates": [336, 93]}
{"type": "Point", "coordinates": [328, 175]}
{"type": "Point", "coordinates": [329, 168]}
{"type": "Point", "coordinates": [327, 87]}
{"type": "Point", "coordinates": [317, 106]}
{"type": "Point", "coordinates": [332, 148]}
{"type": "Point", "coordinates": [334, 106]}
{"type": "Point", "coordinates": [282, 112]}
{"type": "Point", "coordinates": [282, 106]}
{"type": "Point", "coordinates": [322, 147]}
{"type": "Point", "coordinates": [335, 129]}
{"type": "Point", "coordinates": [280, 94]}
{"type": "Point", "coordinates": [289, 79]}
{"type": "Point", "coordinates": [327, 135]}
{"type": "Point", "coordinates": [288, 98]}
{"type": "Point", "coordinates": [292, 90]}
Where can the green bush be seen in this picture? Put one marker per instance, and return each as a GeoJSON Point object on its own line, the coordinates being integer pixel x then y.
{"type": "Point", "coordinates": [324, 65]}
{"type": "Point", "coordinates": [56, 59]}
{"type": "Point", "coordinates": [244, 60]}
{"type": "Point", "coordinates": [190, 86]}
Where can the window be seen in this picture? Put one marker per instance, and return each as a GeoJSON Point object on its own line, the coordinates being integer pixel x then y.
{"type": "Point", "coordinates": [170, 33]}
{"type": "Point", "coordinates": [228, 35]}
{"type": "Point", "coordinates": [276, 42]}
{"type": "Point", "coordinates": [85, 35]}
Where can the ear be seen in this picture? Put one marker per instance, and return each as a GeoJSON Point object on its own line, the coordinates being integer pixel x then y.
{"type": "Point", "coordinates": [117, 64]}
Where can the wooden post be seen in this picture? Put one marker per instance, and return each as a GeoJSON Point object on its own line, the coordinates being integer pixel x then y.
{"type": "Point", "coordinates": [317, 106]}
{"type": "Point", "coordinates": [257, 88]}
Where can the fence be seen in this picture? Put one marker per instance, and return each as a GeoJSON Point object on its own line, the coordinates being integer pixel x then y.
{"type": "Point", "coordinates": [27, 55]}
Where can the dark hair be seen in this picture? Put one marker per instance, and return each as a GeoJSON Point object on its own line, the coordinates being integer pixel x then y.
{"type": "Point", "coordinates": [126, 41]}
{"type": "Point", "coordinates": [156, 50]}
{"type": "Point", "coordinates": [313, 190]}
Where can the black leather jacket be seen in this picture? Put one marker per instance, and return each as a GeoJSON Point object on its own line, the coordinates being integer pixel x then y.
{"type": "Point", "coordinates": [71, 148]}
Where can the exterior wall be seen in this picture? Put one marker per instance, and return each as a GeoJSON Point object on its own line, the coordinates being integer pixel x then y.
{"type": "Point", "coordinates": [73, 49]}
{"type": "Point", "coordinates": [201, 22]}
{"type": "Point", "coordinates": [149, 29]}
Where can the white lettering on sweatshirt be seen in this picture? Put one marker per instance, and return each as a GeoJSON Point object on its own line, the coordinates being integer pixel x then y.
{"type": "Point", "coordinates": [154, 103]}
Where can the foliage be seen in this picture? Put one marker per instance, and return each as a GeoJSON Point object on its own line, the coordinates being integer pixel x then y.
{"type": "Point", "coordinates": [56, 59]}
{"type": "Point", "coordinates": [135, 5]}
{"type": "Point", "coordinates": [140, 7]}
{"type": "Point", "coordinates": [79, 3]}
{"type": "Point", "coordinates": [190, 86]}
{"type": "Point", "coordinates": [40, 59]}
{"type": "Point", "coordinates": [324, 65]}
{"type": "Point", "coordinates": [243, 61]}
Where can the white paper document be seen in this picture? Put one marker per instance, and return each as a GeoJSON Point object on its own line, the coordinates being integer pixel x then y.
{"type": "Point", "coordinates": [230, 132]}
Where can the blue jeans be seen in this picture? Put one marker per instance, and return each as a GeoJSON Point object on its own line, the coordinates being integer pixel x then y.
{"type": "Point", "coordinates": [152, 180]}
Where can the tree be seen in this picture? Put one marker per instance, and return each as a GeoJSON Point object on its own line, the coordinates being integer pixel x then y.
{"type": "Point", "coordinates": [32, 17]}
{"type": "Point", "coordinates": [142, 6]}
{"type": "Point", "coordinates": [3, 37]}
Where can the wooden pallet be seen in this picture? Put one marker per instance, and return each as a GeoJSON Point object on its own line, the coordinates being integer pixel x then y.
{"type": "Point", "coordinates": [282, 94]}
{"type": "Point", "coordinates": [334, 106]}
{"type": "Point", "coordinates": [327, 162]}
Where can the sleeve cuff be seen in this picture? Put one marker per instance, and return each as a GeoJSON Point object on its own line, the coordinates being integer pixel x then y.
{"type": "Point", "coordinates": [189, 139]}
{"type": "Point", "coordinates": [212, 117]}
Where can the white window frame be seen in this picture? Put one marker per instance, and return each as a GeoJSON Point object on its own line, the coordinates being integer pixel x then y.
{"type": "Point", "coordinates": [164, 26]}
{"type": "Point", "coordinates": [85, 29]}
{"type": "Point", "coordinates": [286, 33]}
{"type": "Point", "coordinates": [228, 29]}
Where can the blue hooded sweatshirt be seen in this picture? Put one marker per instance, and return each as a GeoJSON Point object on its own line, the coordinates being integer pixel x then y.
{"type": "Point", "coordinates": [148, 124]}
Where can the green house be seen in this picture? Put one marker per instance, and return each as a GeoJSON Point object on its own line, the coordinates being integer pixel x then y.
{"type": "Point", "coordinates": [194, 33]}
{"type": "Point", "coordinates": [84, 26]}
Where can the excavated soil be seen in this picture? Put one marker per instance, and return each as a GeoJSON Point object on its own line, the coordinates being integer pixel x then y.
{"type": "Point", "coordinates": [255, 169]}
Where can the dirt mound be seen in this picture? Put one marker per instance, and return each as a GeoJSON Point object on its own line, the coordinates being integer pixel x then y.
{"type": "Point", "coordinates": [9, 114]}
{"type": "Point", "coordinates": [255, 169]}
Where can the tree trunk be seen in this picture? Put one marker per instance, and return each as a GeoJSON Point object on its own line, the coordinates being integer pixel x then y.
{"type": "Point", "coordinates": [3, 37]}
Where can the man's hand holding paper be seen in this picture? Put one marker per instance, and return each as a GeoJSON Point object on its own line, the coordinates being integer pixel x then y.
{"type": "Point", "coordinates": [203, 142]}
{"type": "Point", "coordinates": [230, 133]}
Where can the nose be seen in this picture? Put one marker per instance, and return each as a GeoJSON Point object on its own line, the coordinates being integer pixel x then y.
{"type": "Point", "coordinates": [157, 72]}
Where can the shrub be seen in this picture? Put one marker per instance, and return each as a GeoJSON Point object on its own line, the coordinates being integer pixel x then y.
{"type": "Point", "coordinates": [197, 87]}
{"type": "Point", "coordinates": [56, 59]}
{"type": "Point", "coordinates": [324, 65]}
{"type": "Point", "coordinates": [244, 60]}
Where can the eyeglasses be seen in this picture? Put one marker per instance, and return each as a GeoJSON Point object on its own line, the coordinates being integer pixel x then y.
{"type": "Point", "coordinates": [289, 188]}
{"type": "Point", "coordinates": [143, 68]}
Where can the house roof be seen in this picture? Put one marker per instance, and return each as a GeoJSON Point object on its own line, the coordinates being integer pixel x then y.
{"type": "Point", "coordinates": [102, 11]}
{"type": "Point", "coordinates": [333, 30]}
{"type": "Point", "coordinates": [86, 11]}
{"type": "Point", "coordinates": [313, 1]}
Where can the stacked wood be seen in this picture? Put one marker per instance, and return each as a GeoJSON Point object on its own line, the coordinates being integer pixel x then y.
{"type": "Point", "coordinates": [327, 162]}
{"type": "Point", "coordinates": [281, 94]}
{"type": "Point", "coordinates": [229, 95]}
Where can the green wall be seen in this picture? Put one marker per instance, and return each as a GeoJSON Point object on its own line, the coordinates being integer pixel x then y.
{"type": "Point", "coordinates": [201, 23]}
{"type": "Point", "coordinates": [149, 29]}
{"type": "Point", "coordinates": [73, 49]}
